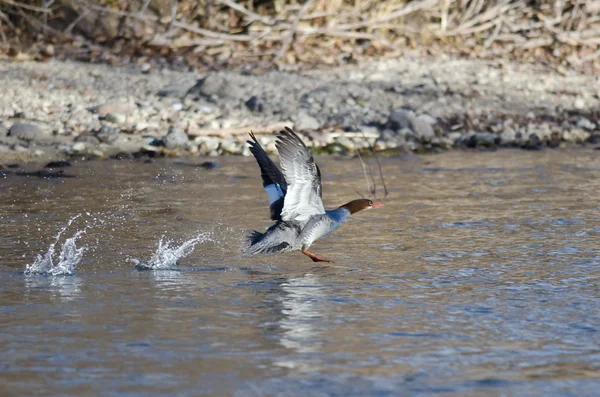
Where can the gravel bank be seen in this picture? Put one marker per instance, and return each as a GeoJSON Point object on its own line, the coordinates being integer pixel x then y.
{"type": "Point", "coordinates": [409, 104]}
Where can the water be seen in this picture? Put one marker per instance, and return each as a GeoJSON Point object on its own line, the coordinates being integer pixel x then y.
{"type": "Point", "coordinates": [479, 277]}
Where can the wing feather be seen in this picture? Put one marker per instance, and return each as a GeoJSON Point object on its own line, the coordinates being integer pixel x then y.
{"type": "Point", "coordinates": [303, 177]}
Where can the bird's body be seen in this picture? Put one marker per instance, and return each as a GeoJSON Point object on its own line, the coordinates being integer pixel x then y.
{"type": "Point", "coordinates": [295, 199]}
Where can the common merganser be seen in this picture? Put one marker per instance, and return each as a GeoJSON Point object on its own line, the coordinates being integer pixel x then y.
{"type": "Point", "coordinates": [295, 198]}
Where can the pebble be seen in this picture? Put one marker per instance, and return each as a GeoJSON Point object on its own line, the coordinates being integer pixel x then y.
{"type": "Point", "coordinates": [26, 132]}
{"type": "Point", "coordinates": [399, 119]}
{"type": "Point", "coordinates": [255, 105]}
{"type": "Point", "coordinates": [576, 135]}
{"type": "Point", "coordinates": [305, 122]}
{"type": "Point", "coordinates": [117, 118]}
{"type": "Point", "coordinates": [78, 147]}
{"type": "Point", "coordinates": [58, 164]}
{"type": "Point", "coordinates": [175, 138]}
{"type": "Point", "coordinates": [345, 142]}
{"type": "Point", "coordinates": [422, 128]}
{"type": "Point", "coordinates": [579, 104]}
{"type": "Point", "coordinates": [585, 124]}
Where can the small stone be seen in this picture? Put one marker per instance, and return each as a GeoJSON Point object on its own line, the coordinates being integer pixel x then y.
{"type": "Point", "coordinates": [215, 85]}
{"type": "Point", "coordinates": [116, 118]}
{"type": "Point", "coordinates": [141, 126]}
{"type": "Point", "coordinates": [305, 122]}
{"type": "Point", "coordinates": [533, 143]}
{"type": "Point", "coordinates": [26, 132]}
{"type": "Point", "coordinates": [209, 165]}
{"type": "Point", "coordinates": [399, 119]}
{"type": "Point", "coordinates": [422, 129]}
{"type": "Point", "coordinates": [175, 138]}
{"type": "Point", "coordinates": [230, 147]}
{"type": "Point", "coordinates": [508, 136]}
{"type": "Point", "coordinates": [481, 139]}
{"type": "Point", "coordinates": [92, 140]}
{"type": "Point", "coordinates": [146, 67]}
{"type": "Point", "coordinates": [345, 142]}
{"type": "Point", "coordinates": [177, 106]}
{"type": "Point", "coordinates": [48, 50]}
{"type": "Point", "coordinates": [585, 124]}
{"type": "Point", "coordinates": [427, 118]}
{"type": "Point", "coordinates": [576, 135]}
{"type": "Point", "coordinates": [107, 133]}
{"type": "Point", "coordinates": [254, 104]}
{"type": "Point", "coordinates": [58, 164]}
{"type": "Point", "coordinates": [78, 147]}
{"type": "Point", "coordinates": [106, 108]}
{"type": "Point", "coordinates": [579, 104]}
{"type": "Point", "coordinates": [208, 145]}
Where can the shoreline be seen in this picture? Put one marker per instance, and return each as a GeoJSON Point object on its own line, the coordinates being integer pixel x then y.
{"type": "Point", "coordinates": [422, 105]}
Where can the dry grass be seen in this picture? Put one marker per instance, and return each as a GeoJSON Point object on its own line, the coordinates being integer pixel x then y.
{"type": "Point", "coordinates": [228, 32]}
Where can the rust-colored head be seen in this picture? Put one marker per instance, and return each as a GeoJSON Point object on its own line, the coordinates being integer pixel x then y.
{"type": "Point", "coordinates": [360, 204]}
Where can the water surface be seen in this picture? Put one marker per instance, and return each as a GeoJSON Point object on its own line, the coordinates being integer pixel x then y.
{"type": "Point", "coordinates": [479, 277]}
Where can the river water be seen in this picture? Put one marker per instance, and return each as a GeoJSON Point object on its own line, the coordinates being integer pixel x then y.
{"type": "Point", "coordinates": [480, 276]}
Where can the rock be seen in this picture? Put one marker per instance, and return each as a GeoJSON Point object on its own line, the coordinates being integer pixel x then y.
{"type": "Point", "coordinates": [4, 149]}
{"type": "Point", "coordinates": [576, 135]}
{"type": "Point", "coordinates": [92, 140]}
{"type": "Point", "coordinates": [533, 143]}
{"type": "Point", "coordinates": [346, 143]}
{"type": "Point", "coordinates": [585, 124]}
{"type": "Point", "coordinates": [175, 139]}
{"type": "Point", "coordinates": [399, 119]}
{"type": "Point", "coordinates": [145, 68]}
{"type": "Point", "coordinates": [579, 104]}
{"type": "Point", "coordinates": [106, 108]}
{"type": "Point", "coordinates": [209, 165]}
{"type": "Point", "coordinates": [114, 117]}
{"type": "Point", "coordinates": [230, 147]}
{"type": "Point", "coordinates": [173, 91]}
{"type": "Point", "coordinates": [3, 129]}
{"type": "Point", "coordinates": [254, 104]}
{"type": "Point", "coordinates": [58, 164]}
{"type": "Point", "coordinates": [305, 122]}
{"type": "Point", "coordinates": [427, 119]}
{"type": "Point", "coordinates": [123, 156]}
{"type": "Point", "coordinates": [141, 126]}
{"type": "Point", "coordinates": [26, 132]}
{"type": "Point", "coordinates": [208, 145]}
{"type": "Point", "coordinates": [422, 129]}
{"type": "Point", "coordinates": [107, 133]}
{"type": "Point", "coordinates": [508, 136]}
{"type": "Point", "coordinates": [480, 139]}
{"type": "Point", "coordinates": [177, 106]}
{"type": "Point", "coordinates": [215, 85]}
{"type": "Point", "coordinates": [78, 147]}
{"type": "Point", "coordinates": [48, 50]}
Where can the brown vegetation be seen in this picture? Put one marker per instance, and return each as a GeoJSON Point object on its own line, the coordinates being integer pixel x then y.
{"type": "Point", "coordinates": [565, 33]}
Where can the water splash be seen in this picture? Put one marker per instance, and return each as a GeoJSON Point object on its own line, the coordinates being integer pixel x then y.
{"type": "Point", "coordinates": [68, 259]}
{"type": "Point", "coordinates": [168, 253]}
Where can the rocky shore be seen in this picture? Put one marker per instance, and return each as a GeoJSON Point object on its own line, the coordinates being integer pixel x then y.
{"type": "Point", "coordinates": [63, 109]}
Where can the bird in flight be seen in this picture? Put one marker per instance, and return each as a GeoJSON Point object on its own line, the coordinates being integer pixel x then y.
{"type": "Point", "coordinates": [295, 198]}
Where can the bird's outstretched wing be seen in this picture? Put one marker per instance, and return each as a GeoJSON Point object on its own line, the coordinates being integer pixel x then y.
{"type": "Point", "coordinates": [273, 180]}
{"type": "Point", "coordinates": [303, 197]}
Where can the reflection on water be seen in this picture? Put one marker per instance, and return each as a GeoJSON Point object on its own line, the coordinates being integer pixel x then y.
{"type": "Point", "coordinates": [63, 287]}
{"type": "Point", "coordinates": [479, 277]}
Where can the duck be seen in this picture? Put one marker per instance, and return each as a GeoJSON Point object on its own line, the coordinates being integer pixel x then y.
{"type": "Point", "coordinates": [295, 199]}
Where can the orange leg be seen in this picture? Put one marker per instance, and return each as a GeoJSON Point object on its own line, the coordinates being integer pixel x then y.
{"type": "Point", "coordinates": [316, 258]}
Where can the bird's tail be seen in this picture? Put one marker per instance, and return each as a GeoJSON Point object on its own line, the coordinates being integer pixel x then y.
{"type": "Point", "coordinates": [260, 245]}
